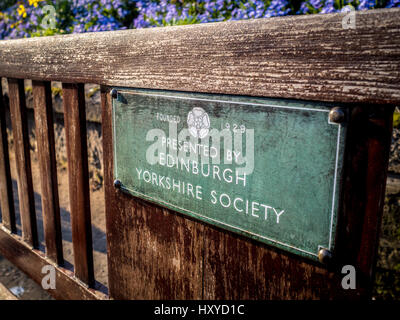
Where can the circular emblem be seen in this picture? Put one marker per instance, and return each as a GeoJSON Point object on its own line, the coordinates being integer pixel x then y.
{"type": "Point", "coordinates": [198, 123]}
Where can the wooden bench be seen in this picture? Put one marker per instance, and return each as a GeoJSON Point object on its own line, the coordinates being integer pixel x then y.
{"type": "Point", "coordinates": [304, 57]}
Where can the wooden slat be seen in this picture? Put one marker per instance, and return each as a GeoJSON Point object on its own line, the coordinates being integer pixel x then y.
{"type": "Point", "coordinates": [75, 131]}
{"type": "Point", "coordinates": [301, 57]}
{"type": "Point", "coordinates": [6, 190]}
{"type": "Point", "coordinates": [152, 252]}
{"type": "Point", "coordinates": [238, 268]}
{"type": "Point", "coordinates": [32, 261]}
{"type": "Point", "coordinates": [23, 160]}
{"type": "Point", "coordinates": [48, 170]}
{"type": "Point", "coordinates": [366, 165]}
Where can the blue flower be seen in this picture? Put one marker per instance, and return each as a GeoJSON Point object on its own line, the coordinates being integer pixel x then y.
{"type": "Point", "coordinates": [393, 3]}
{"type": "Point", "coordinates": [101, 15]}
{"type": "Point", "coordinates": [366, 4]}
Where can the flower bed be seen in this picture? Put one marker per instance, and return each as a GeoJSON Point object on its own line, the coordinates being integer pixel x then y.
{"type": "Point", "coordinates": [29, 18]}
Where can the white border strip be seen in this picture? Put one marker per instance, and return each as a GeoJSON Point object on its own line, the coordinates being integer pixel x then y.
{"type": "Point", "coordinates": [217, 221]}
{"type": "Point", "coordinates": [223, 101]}
{"type": "Point", "coordinates": [334, 187]}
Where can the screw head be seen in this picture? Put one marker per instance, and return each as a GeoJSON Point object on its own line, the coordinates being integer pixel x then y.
{"type": "Point", "coordinates": [337, 115]}
{"type": "Point", "coordinates": [114, 93]}
{"type": "Point", "coordinates": [117, 183]}
{"type": "Point", "coordinates": [325, 256]}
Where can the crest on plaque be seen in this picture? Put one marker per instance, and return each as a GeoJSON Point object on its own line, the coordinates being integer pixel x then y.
{"type": "Point", "coordinates": [198, 122]}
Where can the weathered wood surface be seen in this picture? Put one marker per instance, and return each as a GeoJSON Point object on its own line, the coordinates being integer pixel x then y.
{"type": "Point", "coordinates": [152, 254]}
{"type": "Point", "coordinates": [23, 161]}
{"type": "Point", "coordinates": [157, 253]}
{"type": "Point", "coordinates": [48, 170]}
{"type": "Point", "coordinates": [363, 194]}
{"type": "Point", "coordinates": [32, 261]}
{"type": "Point", "coordinates": [6, 191]}
{"type": "Point", "coordinates": [302, 57]}
{"type": "Point", "coordinates": [237, 268]}
{"type": "Point", "coordinates": [75, 132]}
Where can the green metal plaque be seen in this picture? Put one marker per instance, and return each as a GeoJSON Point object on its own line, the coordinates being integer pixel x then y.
{"type": "Point", "coordinates": [268, 169]}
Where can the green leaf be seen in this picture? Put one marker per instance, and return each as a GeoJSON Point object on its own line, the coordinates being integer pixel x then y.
{"type": "Point", "coordinates": [396, 120]}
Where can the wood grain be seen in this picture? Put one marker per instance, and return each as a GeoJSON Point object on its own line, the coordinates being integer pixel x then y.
{"type": "Point", "coordinates": [145, 241]}
{"type": "Point", "coordinates": [366, 165]}
{"type": "Point", "coordinates": [6, 189]}
{"type": "Point", "coordinates": [32, 261]}
{"type": "Point", "coordinates": [255, 271]}
{"type": "Point", "coordinates": [153, 253]}
{"type": "Point", "coordinates": [301, 57]}
{"type": "Point", "coordinates": [48, 170]}
{"type": "Point", "coordinates": [6, 294]}
{"type": "Point", "coordinates": [23, 161]}
{"type": "Point", "coordinates": [238, 268]}
{"type": "Point", "coordinates": [75, 131]}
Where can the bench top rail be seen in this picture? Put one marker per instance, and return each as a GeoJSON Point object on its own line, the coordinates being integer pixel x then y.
{"type": "Point", "coordinates": [308, 57]}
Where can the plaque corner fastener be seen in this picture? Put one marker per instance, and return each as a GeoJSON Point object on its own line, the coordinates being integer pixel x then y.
{"type": "Point", "coordinates": [325, 256]}
{"type": "Point", "coordinates": [114, 93]}
{"type": "Point", "coordinates": [117, 184]}
{"type": "Point", "coordinates": [337, 115]}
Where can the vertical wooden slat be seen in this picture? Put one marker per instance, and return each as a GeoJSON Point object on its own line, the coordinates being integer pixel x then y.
{"type": "Point", "coordinates": [48, 169]}
{"type": "Point", "coordinates": [75, 129]}
{"type": "Point", "coordinates": [6, 191]}
{"type": "Point", "coordinates": [152, 253]}
{"type": "Point", "coordinates": [366, 163]}
{"type": "Point", "coordinates": [23, 160]}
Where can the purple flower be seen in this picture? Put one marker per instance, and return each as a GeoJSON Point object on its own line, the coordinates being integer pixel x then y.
{"type": "Point", "coordinates": [393, 3]}
{"type": "Point", "coordinates": [102, 15]}
{"type": "Point", "coordinates": [366, 4]}
{"type": "Point", "coordinates": [329, 7]}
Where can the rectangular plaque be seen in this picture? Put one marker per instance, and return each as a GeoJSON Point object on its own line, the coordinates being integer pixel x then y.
{"type": "Point", "coordinates": [268, 169]}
